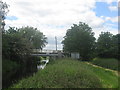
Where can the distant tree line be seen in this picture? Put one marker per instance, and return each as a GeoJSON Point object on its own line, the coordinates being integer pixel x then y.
{"type": "Point", "coordinates": [80, 38]}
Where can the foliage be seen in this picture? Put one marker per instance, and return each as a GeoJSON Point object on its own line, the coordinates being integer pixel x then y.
{"type": "Point", "coordinates": [62, 74]}
{"type": "Point", "coordinates": [12, 71]}
{"type": "Point", "coordinates": [34, 36]}
{"type": "Point", "coordinates": [117, 46]}
{"type": "Point", "coordinates": [106, 63]}
{"type": "Point", "coordinates": [3, 12]}
{"type": "Point", "coordinates": [107, 45]}
{"type": "Point", "coordinates": [8, 66]}
{"type": "Point", "coordinates": [18, 44]}
{"type": "Point", "coordinates": [80, 38]}
{"type": "Point", "coordinates": [16, 47]}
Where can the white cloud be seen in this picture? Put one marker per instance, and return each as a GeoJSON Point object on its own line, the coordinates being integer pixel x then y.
{"type": "Point", "coordinates": [112, 19]}
{"type": "Point", "coordinates": [53, 17]}
{"type": "Point", "coordinates": [105, 28]}
{"type": "Point", "coordinates": [113, 8]}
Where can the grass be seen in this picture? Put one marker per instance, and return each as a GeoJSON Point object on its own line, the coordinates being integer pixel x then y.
{"type": "Point", "coordinates": [68, 73]}
{"type": "Point", "coordinates": [109, 63]}
{"type": "Point", "coordinates": [108, 78]}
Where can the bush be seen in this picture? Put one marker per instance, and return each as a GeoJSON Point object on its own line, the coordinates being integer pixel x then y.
{"type": "Point", "coordinates": [8, 66]}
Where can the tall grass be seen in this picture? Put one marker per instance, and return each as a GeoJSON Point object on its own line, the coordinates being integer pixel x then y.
{"type": "Point", "coordinates": [64, 73]}
{"type": "Point", "coordinates": [107, 78]}
{"type": "Point", "coordinates": [109, 63]}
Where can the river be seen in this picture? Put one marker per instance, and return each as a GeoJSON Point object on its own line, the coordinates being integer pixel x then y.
{"type": "Point", "coordinates": [43, 64]}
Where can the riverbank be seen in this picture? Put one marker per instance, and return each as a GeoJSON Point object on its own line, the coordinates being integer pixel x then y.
{"type": "Point", "coordinates": [12, 71]}
{"type": "Point", "coordinates": [67, 73]}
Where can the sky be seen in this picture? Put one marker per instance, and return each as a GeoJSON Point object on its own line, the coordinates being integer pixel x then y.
{"type": "Point", "coordinates": [55, 17]}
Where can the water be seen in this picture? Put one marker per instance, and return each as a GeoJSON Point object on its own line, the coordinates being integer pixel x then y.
{"type": "Point", "coordinates": [24, 71]}
{"type": "Point", "coordinates": [17, 74]}
{"type": "Point", "coordinates": [42, 65]}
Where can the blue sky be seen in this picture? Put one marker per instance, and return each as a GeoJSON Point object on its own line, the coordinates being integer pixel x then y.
{"type": "Point", "coordinates": [54, 17]}
{"type": "Point", "coordinates": [11, 18]}
{"type": "Point", "coordinates": [102, 9]}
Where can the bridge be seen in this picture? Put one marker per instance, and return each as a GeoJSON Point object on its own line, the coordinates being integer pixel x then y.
{"type": "Point", "coordinates": [52, 53]}
{"type": "Point", "coordinates": [46, 54]}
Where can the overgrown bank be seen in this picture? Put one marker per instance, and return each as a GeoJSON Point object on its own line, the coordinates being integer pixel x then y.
{"type": "Point", "coordinates": [69, 74]}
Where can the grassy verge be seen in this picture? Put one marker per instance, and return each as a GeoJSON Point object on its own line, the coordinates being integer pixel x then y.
{"type": "Point", "coordinates": [109, 63]}
{"type": "Point", "coordinates": [108, 78]}
{"type": "Point", "coordinates": [68, 73]}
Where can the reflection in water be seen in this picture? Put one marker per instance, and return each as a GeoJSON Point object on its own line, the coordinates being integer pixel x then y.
{"type": "Point", "coordinates": [42, 64]}
{"type": "Point", "coordinates": [25, 70]}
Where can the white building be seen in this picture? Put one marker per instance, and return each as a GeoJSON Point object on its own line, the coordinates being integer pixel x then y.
{"type": "Point", "coordinates": [75, 55]}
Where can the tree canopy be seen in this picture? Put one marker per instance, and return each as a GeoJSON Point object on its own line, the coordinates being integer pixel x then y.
{"type": "Point", "coordinates": [3, 12]}
{"type": "Point", "coordinates": [107, 45]}
{"type": "Point", "coordinates": [34, 36]}
{"type": "Point", "coordinates": [20, 42]}
{"type": "Point", "coordinates": [79, 38]}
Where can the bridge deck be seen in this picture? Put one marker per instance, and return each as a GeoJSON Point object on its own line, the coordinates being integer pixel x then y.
{"type": "Point", "coordinates": [44, 54]}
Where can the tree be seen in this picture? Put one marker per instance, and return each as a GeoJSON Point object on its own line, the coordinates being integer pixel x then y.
{"type": "Point", "coordinates": [34, 36]}
{"type": "Point", "coordinates": [3, 11]}
{"type": "Point", "coordinates": [118, 38]}
{"type": "Point", "coordinates": [116, 46]}
{"type": "Point", "coordinates": [80, 38]}
{"type": "Point", "coordinates": [14, 47]}
{"type": "Point", "coordinates": [19, 43]}
{"type": "Point", "coordinates": [107, 45]}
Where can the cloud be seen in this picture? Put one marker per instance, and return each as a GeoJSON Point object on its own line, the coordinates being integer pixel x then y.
{"type": "Point", "coordinates": [112, 19]}
{"type": "Point", "coordinates": [113, 8]}
{"type": "Point", "coordinates": [53, 17]}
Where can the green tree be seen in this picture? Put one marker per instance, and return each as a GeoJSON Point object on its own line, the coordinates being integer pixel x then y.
{"type": "Point", "coordinates": [80, 38]}
{"type": "Point", "coordinates": [19, 43]}
{"type": "Point", "coordinates": [34, 36]}
{"type": "Point", "coordinates": [116, 46]}
{"type": "Point", "coordinates": [107, 45]}
{"type": "Point", "coordinates": [3, 12]}
{"type": "Point", "coordinates": [14, 46]}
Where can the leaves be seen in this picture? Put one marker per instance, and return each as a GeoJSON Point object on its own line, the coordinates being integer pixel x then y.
{"type": "Point", "coordinates": [79, 38]}
{"type": "Point", "coordinates": [107, 45]}
{"type": "Point", "coordinates": [17, 43]}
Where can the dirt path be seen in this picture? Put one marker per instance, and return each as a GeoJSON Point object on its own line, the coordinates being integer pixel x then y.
{"type": "Point", "coordinates": [116, 72]}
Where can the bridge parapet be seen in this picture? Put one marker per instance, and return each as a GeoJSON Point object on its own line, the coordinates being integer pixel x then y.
{"type": "Point", "coordinates": [46, 51]}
